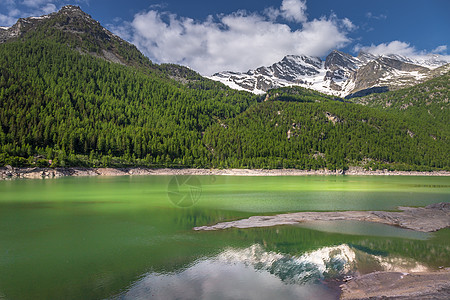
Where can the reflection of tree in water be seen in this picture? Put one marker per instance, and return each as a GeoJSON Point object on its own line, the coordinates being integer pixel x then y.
{"type": "Point", "coordinates": [194, 216]}
{"type": "Point", "coordinates": [434, 252]}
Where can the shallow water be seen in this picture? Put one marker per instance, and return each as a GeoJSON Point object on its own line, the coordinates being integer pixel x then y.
{"type": "Point", "coordinates": [131, 237]}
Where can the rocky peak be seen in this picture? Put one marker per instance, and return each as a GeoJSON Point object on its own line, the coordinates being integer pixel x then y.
{"type": "Point", "coordinates": [77, 29]}
{"type": "Point", "coordinates": [22, 25]}
{"type": "Point", "coordinates": [303, 60]}
{"type": "Point", "coordinates": [340, 67]}
{"type": "Point", "coordinates": [71, 8]}
{"type": "Point", "coordinates": [291, 66]}
{"type": "Point", "coordinates": [402, 65]}
{"type": "Point", "coordinates": [337, 59]}
{"type": "Point", "coordinates": [340, 74]}
{"type": "Point", "coordinates": [68, 17]}
{"type": "Point", "coordinates": [365, 57]}
{"type": "Point", "coordinates": [399, 57]}
{"type": "Point", "coordinates": [74, 13]}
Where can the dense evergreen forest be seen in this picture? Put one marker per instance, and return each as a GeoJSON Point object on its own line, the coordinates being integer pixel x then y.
{"type": "Point", "coordinates": [427, 102]}
{"type": "Point", "coordinates": [76, 109]}
{"type": "Point", "coordinates": [297, 128]}
{"type": "Point", "coordinates": [79, 110]}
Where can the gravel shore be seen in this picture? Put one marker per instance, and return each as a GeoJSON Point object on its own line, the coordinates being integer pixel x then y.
{"type": "Point", "coordinates": [35, 173]}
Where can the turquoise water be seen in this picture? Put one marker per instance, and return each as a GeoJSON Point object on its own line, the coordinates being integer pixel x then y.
{"type": "Point", "coordinates": [131, 237]}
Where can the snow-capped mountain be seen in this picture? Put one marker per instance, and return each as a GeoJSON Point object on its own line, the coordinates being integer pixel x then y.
{"type": "Point", "coordinates": [340, 74]}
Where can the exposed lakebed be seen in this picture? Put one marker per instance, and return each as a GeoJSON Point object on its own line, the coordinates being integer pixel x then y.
{"type": "Point", "coordinates": [131, 237]}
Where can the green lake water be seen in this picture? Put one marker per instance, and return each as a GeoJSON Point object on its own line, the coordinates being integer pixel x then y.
{"type": "Point", "coordinates": [131, 237]}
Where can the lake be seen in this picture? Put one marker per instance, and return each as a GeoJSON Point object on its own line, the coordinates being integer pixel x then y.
{"type": "Point", "coordinates": [131, 237]}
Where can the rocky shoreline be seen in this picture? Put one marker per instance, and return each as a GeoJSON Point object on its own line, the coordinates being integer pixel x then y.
{"type": "Point", "coordinates": [425, 219]}
{"type": "Point", "coordinates": [397, 285]}
{"type": "Point", "coordinates": [41, 173]}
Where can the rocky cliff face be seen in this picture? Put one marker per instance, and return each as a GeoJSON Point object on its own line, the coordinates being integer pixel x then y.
{"type": "Point", "coordinates": [67, 19]}
{"type": "Point", "coordinates": [340, 74]}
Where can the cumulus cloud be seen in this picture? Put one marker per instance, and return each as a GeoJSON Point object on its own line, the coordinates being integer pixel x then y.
{"type": "Point", "coordinates": [405, 49]}
{"type": "Point", "coordinates": [294, 10]}
{"type": "Point", "coordinates": [394, 47]}
{"type": "Point", "coordinates": [440, 49]}
{"type": "Point", "coordinates": [236, 42]}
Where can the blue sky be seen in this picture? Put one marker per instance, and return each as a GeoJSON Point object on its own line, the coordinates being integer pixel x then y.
{"type": "Point", "coordinates": [211, 36]}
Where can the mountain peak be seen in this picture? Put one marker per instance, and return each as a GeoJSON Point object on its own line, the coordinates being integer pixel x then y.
{"type": "Point", "coordinates": [340, 75]}
{"type": "Point", "coordinates": [69, 16]}
{"type": "Point", "coordinates": [71, 7]}
{"type": "Point", "coordinates": [335, 51]}
{"type": "Point", "coordinates": [337, 59]}
{"type": "Point", "coordinates": [74, 11]}
{"type": "Point", "coordinates": [73, 27]}
{"type": "Point", "coordinates": [366, 56]}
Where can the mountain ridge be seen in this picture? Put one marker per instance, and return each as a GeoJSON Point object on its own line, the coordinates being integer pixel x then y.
{"type": "Point", "coordinates": [340, 74]}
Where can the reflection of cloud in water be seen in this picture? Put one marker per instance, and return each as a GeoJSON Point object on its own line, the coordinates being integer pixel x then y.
{"type": "Point", "coordinates": [215, 279]}
{"type": "Point", "coordinates": [253, 273]}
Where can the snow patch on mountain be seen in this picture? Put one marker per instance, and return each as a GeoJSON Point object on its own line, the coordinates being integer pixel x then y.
{"type": "Point", "coordinates": [340, 74]}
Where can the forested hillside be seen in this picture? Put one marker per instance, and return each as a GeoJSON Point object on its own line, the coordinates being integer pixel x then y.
{"type": "Point", "coordinates": [297, 128]}
{"type": "Point", "coordinates": [63, 101]}
{"type": "Point", "coordinates": [57, 103]}
{"type": "Point", "coordinates": [426, 103]}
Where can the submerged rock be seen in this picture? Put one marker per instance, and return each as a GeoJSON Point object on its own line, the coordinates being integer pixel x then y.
{"type": "Point", "coordinates": [425, 219]}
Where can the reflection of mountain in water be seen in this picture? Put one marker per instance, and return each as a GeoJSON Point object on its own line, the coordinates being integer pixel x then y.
{"type": "Point", "coordinates": [327, 262]}
{"type": "Point", "coordinates": [253, 273]}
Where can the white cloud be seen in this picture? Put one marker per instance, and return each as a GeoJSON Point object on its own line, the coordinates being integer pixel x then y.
{"type": "Point", "coordinates": [405, 49]}
{"type": "Point", "coordinates": [48, 8]}
{"type": "Point", "coordinates": [348, 24]}
{"type": "Point", "coordinates": [7, 20]}
{"type": "Point", "coordinates": [294, 10]}
{"type": "Point", "coordinates": [440, 49]}
{"type": "Point", "coordinates": [290, 10]}
{"type": "Point", "coordinates": [234, 42]}
{"type": "Point", "coordinates": [15, 12]}
{"type": "Point", "coordinates": [394, 47]}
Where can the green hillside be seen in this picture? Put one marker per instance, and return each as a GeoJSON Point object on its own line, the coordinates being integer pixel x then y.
{"type": "Point", "coordinates": [57, 103]}
{"type": "Point", "coordinates": [426, 102]}
{"type": "Point", "coordinates": [60, 100]}
{"type": "Point", "coordinates": [298, 128]}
